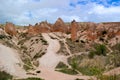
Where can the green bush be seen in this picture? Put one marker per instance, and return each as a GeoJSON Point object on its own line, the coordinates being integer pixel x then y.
{"type": "Point", "coordinates": [2, 36]}
{"type": "Point", "coordinates": [100, 49]}
{"type": "Point", "coordinates": [5, 76]}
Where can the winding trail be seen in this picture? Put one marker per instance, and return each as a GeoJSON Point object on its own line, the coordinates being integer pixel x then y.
{"type": "Point", "coordinates": [49, 61]}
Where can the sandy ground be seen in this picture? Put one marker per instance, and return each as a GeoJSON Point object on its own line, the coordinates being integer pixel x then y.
{"type": "Point", "coordinates": [49, 74]}
{"type": "Point", "coordinates": [9, 61]}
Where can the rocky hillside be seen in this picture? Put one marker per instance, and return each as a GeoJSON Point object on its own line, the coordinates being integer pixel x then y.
{"type": "Point", "coordinates": [76, 50]}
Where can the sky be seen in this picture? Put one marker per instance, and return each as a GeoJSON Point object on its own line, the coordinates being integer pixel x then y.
{"type": "Point", "coordinates": [24, 12]}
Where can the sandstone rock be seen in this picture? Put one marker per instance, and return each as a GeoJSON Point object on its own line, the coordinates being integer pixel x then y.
{"type": "Point", "coordinates": [31, 30]}
{"type": "Point", "coordinates": [10, 29]}
{"type": "Point", "coordinates": [60, 26]}
{"type": "Point", "coordinates": [45, 27]}
{"type": "Point", "coordinates": [74, 26]}
{"type": "Point", "coordinates": [91, 35]}
{"type": "Point", "coordinates": [42, 27]}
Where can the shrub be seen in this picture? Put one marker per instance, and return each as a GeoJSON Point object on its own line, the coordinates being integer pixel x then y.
{"type": "Point", "coordinates": [5, 76]}
{"type": "Point", "coordinates": [2, 36]}
{"type": "Point", "coordinates": [27, 64]}
{"type": "Point", "coordinates": [74, 64]}
{"type": "Point", "coordinates": [91, 54]}
{"type": "Point", "coordinates": [100, 49]}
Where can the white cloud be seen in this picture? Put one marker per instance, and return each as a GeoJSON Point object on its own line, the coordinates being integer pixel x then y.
{"type": "Point", "coordinates": [100, 9]}
{"type": "Point", "coordinates": [70, 18]}
{"type": "Point", "coordinates": [31, 11]}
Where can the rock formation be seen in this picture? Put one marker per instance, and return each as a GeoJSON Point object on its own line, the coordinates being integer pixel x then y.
{"type": "Point", "coordinates": [38, 28]}
{"type": "Point", "coordinates": [74, 26]}
{"type": "Point", "coordinates": [10, 29]}
{"type": "Point", "coordinates": [31, 30]}
{"type": "Point", "coordinates": [60, 26]}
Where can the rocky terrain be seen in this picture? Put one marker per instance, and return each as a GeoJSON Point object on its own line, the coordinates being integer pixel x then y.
{"type": "Point", "coordinates": [60, 51]}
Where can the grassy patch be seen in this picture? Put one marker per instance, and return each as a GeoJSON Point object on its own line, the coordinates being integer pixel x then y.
{"type": "Point", "coordinates": [112, 77]}
{"type": "Point", "coordinates": [27, 64]}
{"type": "Point", "coordinates": [61, 65]}
{"type": "Point", "coordinates": [75, 47]}
{"type": "Point", "coordinates": [90, 71]}
{"type": "Point", "coordinates": [68, 71]}
{"type": "Point", "coordinates": [99, 49]}
{"type": "Point", "coordinates": [64, 68]}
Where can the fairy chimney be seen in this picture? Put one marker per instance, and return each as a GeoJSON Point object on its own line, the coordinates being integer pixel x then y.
{"type": "Point", "coordinates": [74, 26]}
{"type": "Point", "coordinates": [59, 26]}
{"type": "Point", "coordinates": [10, 29]}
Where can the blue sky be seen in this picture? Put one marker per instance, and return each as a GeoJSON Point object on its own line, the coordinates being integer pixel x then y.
{"type": "Point", "coordinates": [24, 12]}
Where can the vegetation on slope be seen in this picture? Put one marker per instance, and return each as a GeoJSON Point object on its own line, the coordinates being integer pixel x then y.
{"type": "Point", "coordinates": [5, 76]}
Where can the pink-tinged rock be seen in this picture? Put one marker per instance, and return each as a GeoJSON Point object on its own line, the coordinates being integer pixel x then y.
{"type": "Point", "coordinates": [60, 26]}
{"type": "Point", "coordinates": [10, 29]}
{"type": "Point", "coordinates": [74, 27]}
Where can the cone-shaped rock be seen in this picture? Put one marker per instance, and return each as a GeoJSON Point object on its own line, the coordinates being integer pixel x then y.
{"type": "Point", "coordinates": [59, 26]}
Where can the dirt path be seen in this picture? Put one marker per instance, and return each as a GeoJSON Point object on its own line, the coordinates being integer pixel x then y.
{"type": "Point", "coordinates": [49, 61]}
{"type": "Point", "coordinates": [48, 74]}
